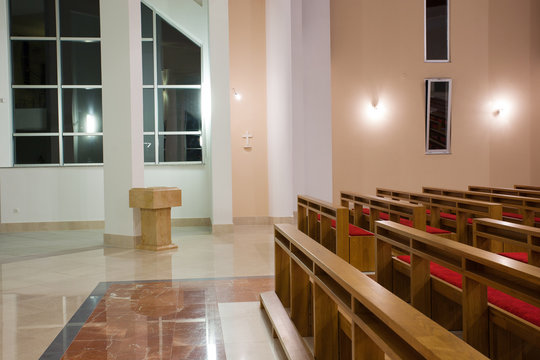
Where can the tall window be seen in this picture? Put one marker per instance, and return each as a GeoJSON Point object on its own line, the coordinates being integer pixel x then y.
{"type": "Point", "coordinates": [171, 92]}
{"type": "Point", "coordinates": [438, 105]}
{"type": "Point", "coordinates": [437, 48]}
{"type": "Point", "coordinates": [56, 82]}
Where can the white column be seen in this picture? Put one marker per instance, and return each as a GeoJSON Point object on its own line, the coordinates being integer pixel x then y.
{"type": "Point", "coordinates": [121, 68]}
{"type": "Point", "coordinates": [279, 108]}
{"type": "Point", "coordinates": [218, 33]}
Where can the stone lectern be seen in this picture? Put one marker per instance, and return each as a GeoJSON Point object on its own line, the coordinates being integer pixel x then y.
{"type": "Point", "coordinates": [155, 204]}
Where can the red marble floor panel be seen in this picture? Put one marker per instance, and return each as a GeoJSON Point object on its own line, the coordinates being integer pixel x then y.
{"type": "Point", "coordinates": [162, 320]}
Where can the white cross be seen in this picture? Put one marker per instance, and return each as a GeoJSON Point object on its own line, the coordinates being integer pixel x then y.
{"type": "Point", "coordinates": [247, 136]}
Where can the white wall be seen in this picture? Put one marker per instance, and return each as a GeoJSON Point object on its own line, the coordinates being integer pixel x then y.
{"type": "Point", "coordinates": [76, 193]}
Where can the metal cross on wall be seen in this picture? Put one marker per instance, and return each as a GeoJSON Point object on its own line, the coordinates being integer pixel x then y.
{"type": "Point", "coordinates": [247, 136]}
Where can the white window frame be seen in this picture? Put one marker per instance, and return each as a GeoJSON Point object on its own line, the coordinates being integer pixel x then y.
{"type": "Point", "coordinates": [59, 87]}
{"type": "Point", "coordinates": [447, 60]}
{"type": "Point", "coordinates": [448, 149]}
{"type": "Point", "coordinates": [156, 133]}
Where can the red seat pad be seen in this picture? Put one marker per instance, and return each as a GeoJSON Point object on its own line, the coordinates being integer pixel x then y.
{"type": "Point", "coordinates": [429, 229]}
{"type": "Point", "coordinates": [428, 212]}
{"type": "Point", "coordinates": [353, 230]}
{"type": "Point", "coordinates": [453, 217]}
{"type": "Point", "coordinates": [518, 216]}
{"type": "Point", "coordinates": [519, 256]}
{"type": "Point", "coordinates": [382, 216]}
{"type": "Point", "coordinates": [511, 304]}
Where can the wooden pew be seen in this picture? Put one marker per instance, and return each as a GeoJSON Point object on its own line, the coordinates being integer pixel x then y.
{"type": "Point", "coordinates": [349, 315]}
{"type": "Point", "coordinates": [449, 212]}
{"type": "Point", "coordinates": [505, 191]}
{"type": "Point", "coordinates": [329, 225]}
{"type": "Point", "coordinates": [400, 211]}
{"type": "Point", "coordinates": [468, 275]}
{"type": "Point", "coordinates": [527, 187]}
{"type": "Point", "coordinates": [498, 236]}
{"type": "Point", "coordinates": [521, 210]}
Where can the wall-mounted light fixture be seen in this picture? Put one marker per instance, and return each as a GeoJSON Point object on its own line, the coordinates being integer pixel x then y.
{"type": "Point", "coordinates": [237, 95]}
{"type": "Point", "coordinates": [375, 110]}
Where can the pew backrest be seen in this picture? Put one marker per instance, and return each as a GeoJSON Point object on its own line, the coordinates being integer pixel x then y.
{"type": "Point", "coordinates": [461, 207]}
{"type": "Point", "coordinates": [518, 237]}
{"type": "Point", "coordinates": [527, 187]}
{"type": "Point", "coordinates": [381, 322]}
{"type": "Point", "coordinates": [396, 209]}
{"type": "Point", "coordinates": [505, 191]}
{"type": "Point", "coordinates": [526, 207]}
{"type": "Point", "coordinates": [315, 220]}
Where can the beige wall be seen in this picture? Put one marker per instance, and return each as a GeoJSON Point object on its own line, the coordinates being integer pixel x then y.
{"type": "Point", "coordinates": [377, 55]}
{"type": "Point", "coordinates": [535, 92]}
{"type": "Point", "coordinates": [248, 77]}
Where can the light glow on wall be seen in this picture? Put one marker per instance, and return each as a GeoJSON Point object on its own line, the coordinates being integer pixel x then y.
{"type": "Point", "coordinates": [375, 111]}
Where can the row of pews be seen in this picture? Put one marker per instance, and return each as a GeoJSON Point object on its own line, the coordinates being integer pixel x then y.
{"type": "Point", "coordinates": [405, 275]}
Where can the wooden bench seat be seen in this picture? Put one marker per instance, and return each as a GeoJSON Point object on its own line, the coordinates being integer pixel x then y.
{"type": "Point", "coordinates": [506, 302]}
{"type": "Point", "coordinates": [329, 225]}
{"type": "Point", "coordinates": [506, 191]}
{"type": "Point", "coordinates": [455, 213]}
{"type": "Point", "coordinates": [404, 212]}
{"type": "Point", "coordinates": [527, 187]}
{"type": "Point", "coordinates": [292, 343]}
{"type": "Point", "coordinates": [407, 222]}
{"type": "Point", "coordinates": [349, 315]}
{"type": "Point", "coordinates": [520, 209]}
{"type": "Point", "coordinates": [450, 282]}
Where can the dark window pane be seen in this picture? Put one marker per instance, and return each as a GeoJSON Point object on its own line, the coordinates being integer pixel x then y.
{"type": "Point", "coordinates": [32, 18]}
{"type": "Point", "coordinates": [148, 109]}
{"type": "Point", "coordinates": [174, 148]}
{"type": "Point", "coordinates": [79, 18]}
{"type": "Point", "coordinates": [436, 30]}
{"type": "Point", "coordinates": [35, 110]}
{"type": "Point", "coordinates": [148, 62]}
{"type": "Point", "coordinates": [179, 109]}
{"type": "Point", "coordinates": [81, 63]}
{"type": "Point", "coordinates": [149, 148]}
{"type": "Point", "coordinates": [83, 149]}
{"type": "Point", "coordinates": [438, 115]}
{"type": "Point", "coordinates": [147, 27]}
{"type": "Point", "coordinates": [34, 62]}
{"type": "Point", "coordinates": [179, 59]}
{"type": "Point", "coordinates": [82, 110]}
{"type": "Point", "coordinates": [36, 150]}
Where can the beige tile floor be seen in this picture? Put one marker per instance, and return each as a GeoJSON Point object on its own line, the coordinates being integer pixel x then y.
{"type": "Point", "coordinates": [45, 277]}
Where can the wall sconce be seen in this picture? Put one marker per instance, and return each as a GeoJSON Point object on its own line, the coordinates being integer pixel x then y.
{"type": "Point", "coordinates": [237, 95]}
{"type": "Point", "coordinates": [375, 110]}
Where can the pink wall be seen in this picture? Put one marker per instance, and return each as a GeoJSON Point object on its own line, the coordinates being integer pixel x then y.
{"type": "Point", "coordinates": [248, 76]}
{"type": "Point", "coordinates": [377, 55]}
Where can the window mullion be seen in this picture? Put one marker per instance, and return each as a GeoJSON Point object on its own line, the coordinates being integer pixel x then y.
{"type": "Point", "coordinates": [59, 84]}
{"type": "Point", "coordinates": [156, 111]}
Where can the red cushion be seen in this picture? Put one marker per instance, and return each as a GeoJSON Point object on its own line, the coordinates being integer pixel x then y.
{"type": "Point", "coordinates": [382, 216]}
{"type": "Point", "coordinates": [504, 301]}
{"type": "Point", "coordinates": [319, 217]}
{"type": "Point", "coordinates": [354, 230]}
{"type": "Point", "coordinates": [428, 212]}
{"type": "Point", "coordinates": [453, 217]}
{"type": "Point", "coordinates": [429, 229]}
{"type": "Point", "coordinates": [519, 256]}
{"type": "Point", "coordinates": [518, 216]}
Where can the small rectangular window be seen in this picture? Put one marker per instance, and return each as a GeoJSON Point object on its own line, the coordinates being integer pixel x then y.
{"type": "Point", "coordinates": [438, 95]}
{"type": "Point", "coordinates": [436, 31]}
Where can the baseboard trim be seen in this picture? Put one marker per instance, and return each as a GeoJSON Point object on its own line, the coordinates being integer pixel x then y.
{"type": "Point", "coordinates": [121, 241]}
{"type": "Point", "coordinates": [51, 226]}
{"type": "Point", "coordinates": [222, 229]}
{"type": "Point", "coordinates": [85, 225]}
{"type": "Point", "coordinates": [191, 222]}
{"type": "Point", "coordinates": [262, 220]}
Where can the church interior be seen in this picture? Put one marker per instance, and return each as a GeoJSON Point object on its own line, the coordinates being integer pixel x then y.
{"type": "Point", "coordinates": [269, 179]}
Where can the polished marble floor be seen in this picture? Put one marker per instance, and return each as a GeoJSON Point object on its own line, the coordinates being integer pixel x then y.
{"type": "Point", "coordinates": [45, 277]}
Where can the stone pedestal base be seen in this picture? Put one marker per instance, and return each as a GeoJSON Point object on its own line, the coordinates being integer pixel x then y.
{"type": "Point", "coordinates": [155, 205]}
